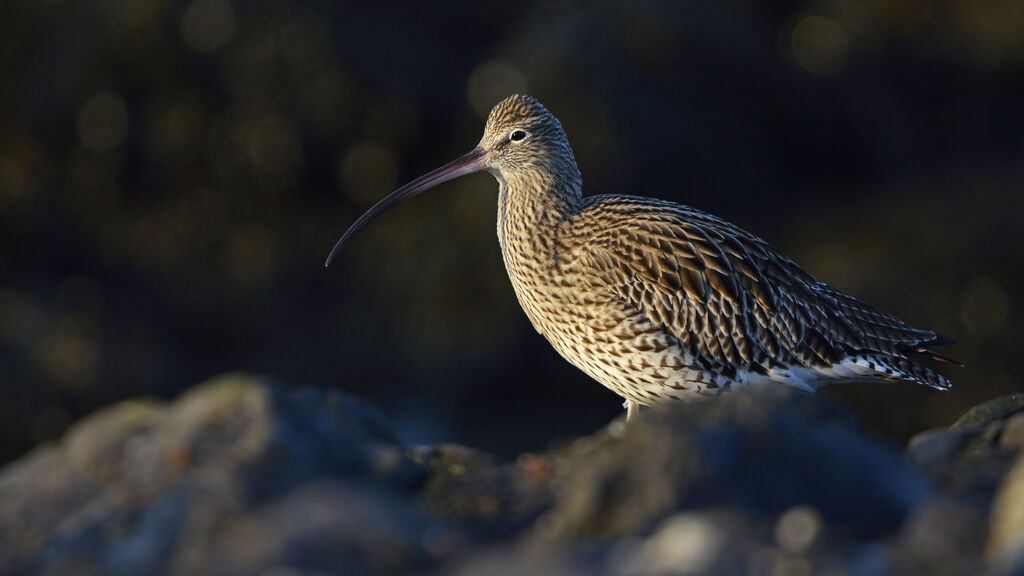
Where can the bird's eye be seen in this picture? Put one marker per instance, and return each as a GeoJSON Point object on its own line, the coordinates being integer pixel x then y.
{"type": "Point", "coordinates": [517, 135]}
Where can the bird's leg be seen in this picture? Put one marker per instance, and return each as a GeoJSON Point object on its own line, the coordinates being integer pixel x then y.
{"type": "Point", "coordinates": [632, 409]}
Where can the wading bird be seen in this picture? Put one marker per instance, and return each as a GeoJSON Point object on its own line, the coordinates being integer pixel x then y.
{"type": "Point", "coordinates": [660, 301]}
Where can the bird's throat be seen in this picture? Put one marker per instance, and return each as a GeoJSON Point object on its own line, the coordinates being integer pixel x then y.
{"type": "Point", "coordinates": [532, 213]}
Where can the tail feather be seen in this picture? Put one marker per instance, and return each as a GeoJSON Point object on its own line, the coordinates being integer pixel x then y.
{"type": "Point", "coordinates": [922, 350]}
{"type": "Point", "coordinates": [923, 375]}
{"type": "Point", "coordinates": [889, 367]}
{"type": "Point", "coordinates": [925, 353]}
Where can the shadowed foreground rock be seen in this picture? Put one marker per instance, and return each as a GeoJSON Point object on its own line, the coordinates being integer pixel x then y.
{"type": "Point", "coordinates": [247, 476]}
{"type": "Point", "coordinates": [238, 475]}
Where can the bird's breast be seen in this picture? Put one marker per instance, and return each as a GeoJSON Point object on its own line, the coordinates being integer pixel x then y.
{"type": "Point", "coordinates": [530, 253]}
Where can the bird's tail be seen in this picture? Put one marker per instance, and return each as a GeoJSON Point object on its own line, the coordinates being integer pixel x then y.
{"type": "Point", "coordinates": [890, 367]}
{"type": "Point", "coordinates": [922, 350]}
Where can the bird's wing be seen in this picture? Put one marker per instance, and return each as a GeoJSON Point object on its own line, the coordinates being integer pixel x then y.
{"type": "Point", "coordinates": [724, 293]}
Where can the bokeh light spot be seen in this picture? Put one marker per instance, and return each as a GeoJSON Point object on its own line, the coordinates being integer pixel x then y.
{"type": "Point", "coordinates": [820, 45]}
{"type": "Point", "coordinates": [250, 256]}
{"type": "Point", "coordinates": [686, 543]}
{"type": "Point", "coordinates": [368, 172]}
{"type": "Point", "coordinates": [491, 82]}
{"type": "Point", "coordinates": [984, 308]}
{"type": "Point", "coordinates": [991, 29]}
{"type": "Point", "coordinates": [102, 122]}
{"type": "Point", "coordinates": [206, 25]}
{"type": "Point", "coordinates": [797, 529]}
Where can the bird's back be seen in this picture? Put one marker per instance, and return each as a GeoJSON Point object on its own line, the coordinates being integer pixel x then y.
{"type": "Point", "coordinates": [730, 304]}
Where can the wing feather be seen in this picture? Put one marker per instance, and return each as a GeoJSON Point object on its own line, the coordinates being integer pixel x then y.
{"type": "Point", "coordinates": [724, 293]}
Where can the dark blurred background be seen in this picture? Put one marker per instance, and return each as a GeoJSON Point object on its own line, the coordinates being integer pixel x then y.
{"type": "Point", "coordinates": [173, 173]}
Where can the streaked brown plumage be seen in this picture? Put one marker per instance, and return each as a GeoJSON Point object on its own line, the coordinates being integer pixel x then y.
{"type": "Point", "coordinates": [656, 300]}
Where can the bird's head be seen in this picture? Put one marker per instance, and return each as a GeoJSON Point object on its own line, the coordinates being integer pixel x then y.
{"type": "Point", "coordinates": [521, 136]}
{"type": "Point", "coordinates": [522, 142]}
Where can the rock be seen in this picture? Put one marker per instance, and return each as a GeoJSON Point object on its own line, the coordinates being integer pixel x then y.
{"type": "Point", "coordinates": [763, 450]}
{"type": "Point", "coordinates": [192, 486]}
{"type": "Point", "coordinates": [946, 535]}
{"type": "Point", "coordinates": [324, 526]}
{"type": "Point", "coordinates": [244, 475]}
{"type": "Point", "coordinates": [932, 446]}
{"type": "Point", "coordinates": [972, 456]}
{"type": "Point", "coordinates": [1013, 432]}
{"type": "Point", "coordinates": [514, 561]}
{"type": "Point", "coordinates": [1006, 537]}
{"type": "Point", "coordinates": [991, 410]}
{"type": "Point", "coordinates": [973, 461]}
{"type": "Point", "coordinates": [688, 543]}
{"type": "Point", "coordinates": [464, 483]}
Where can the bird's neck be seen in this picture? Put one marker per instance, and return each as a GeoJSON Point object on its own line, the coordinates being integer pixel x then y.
{"type": "Point", "coordinates": [532, 207]}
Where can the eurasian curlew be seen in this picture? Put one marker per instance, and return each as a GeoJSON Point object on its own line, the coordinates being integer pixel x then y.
{"type": "Point", "coordinates": [656, 300]}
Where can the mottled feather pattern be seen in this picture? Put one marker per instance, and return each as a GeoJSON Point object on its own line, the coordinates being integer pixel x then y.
{"type": "Point", "coordinates": [656, 300]}
{"type": "Point", "coordinates": [728, 296]}
{"type": "Point", "coordinates": [660, 300]}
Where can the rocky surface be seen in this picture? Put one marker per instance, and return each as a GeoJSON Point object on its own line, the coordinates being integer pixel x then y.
{"type": "Point", "coordinates": [245, 475]}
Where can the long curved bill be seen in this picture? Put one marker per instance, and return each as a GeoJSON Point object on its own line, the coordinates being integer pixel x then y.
{"type": "Point", "coordinates": [474, 161]}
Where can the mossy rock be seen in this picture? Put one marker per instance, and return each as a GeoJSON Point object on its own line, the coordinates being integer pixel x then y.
{"type": "Point", "coordinates": [994, 409]}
